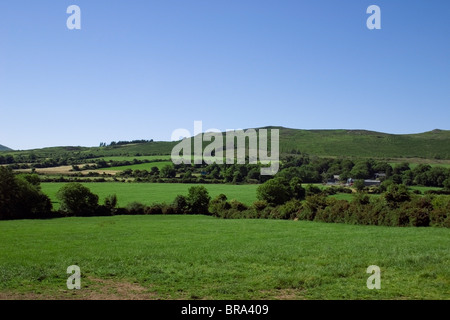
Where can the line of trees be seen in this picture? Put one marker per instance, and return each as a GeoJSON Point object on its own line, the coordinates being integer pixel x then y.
{"type": "Point", "coordinates": [316, 170]}
{"type": "Point", "coordinates": [396, 207]}
{"type": "Point", "coordinates": [118, 143]}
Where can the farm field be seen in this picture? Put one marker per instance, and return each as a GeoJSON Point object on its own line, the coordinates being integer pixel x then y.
{"type": "Point", "coordinates": [131, 158]}
{"type": "Point", "coordinates": [140, 166]}
{"type": "Point", "coordinates": [200, 257]}
{"type": "Point", "coordinates": [149, 193]}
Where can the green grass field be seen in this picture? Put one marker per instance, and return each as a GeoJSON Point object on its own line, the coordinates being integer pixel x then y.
{"type": "Point", "coordinates": [423, 189]}
{"type": "Point", "coordinates": [148, 193]}
{"type": "Point", "coordinates": [141, 166]}
{"type": "Point", "coordinates": [199, 257]}
{"type": "Point", "coordinates": [131, 158]}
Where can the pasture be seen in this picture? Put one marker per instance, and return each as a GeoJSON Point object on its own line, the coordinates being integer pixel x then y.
{"type": "Point", "coordinates": [140, 166]}
{"type": "Point", "coordinates": [200, 257]}
{"type": "Point", "coordinates": [149, 193]}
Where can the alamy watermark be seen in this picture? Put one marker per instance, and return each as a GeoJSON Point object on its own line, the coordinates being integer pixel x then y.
{"type": "Point", "coordinates": [74, 20]}
{"type": "Point", "coordinates": [235, 147]}
{"type": "Point", "coordinates": [374, 21]}
{"type": "Point", "coordinates": [74, 281]}
{"type": "Point", "coordinates": [374, 281]}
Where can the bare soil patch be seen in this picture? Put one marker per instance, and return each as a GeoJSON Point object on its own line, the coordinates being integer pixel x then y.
{"type": "Point", "coordinates": [92, 289]}
{"type": "Point", "coordinates": [284, 294]}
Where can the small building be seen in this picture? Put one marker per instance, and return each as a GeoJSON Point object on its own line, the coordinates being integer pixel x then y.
{"type": "Point", "coordinates": [369, 183]}
{"type": "Point", "coordinates": [334, 180]}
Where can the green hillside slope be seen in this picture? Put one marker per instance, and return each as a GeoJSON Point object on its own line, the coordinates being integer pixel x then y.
{"type": "Point", "coordinates": [348, 143]}
{"type": "Point", "coordinates": [3, 148]}
{"type": "Point", "coordinates": [362, 143]}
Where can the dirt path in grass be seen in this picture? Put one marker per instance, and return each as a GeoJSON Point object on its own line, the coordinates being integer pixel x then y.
{"type": "Point", "coordinates": [94, 289]}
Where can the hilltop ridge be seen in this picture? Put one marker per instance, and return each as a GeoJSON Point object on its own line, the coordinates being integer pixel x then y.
{"type": "Point", "coordinates": [433, 144]}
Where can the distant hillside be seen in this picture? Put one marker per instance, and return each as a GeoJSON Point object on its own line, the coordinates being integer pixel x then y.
{"type": "Point", "coordinates": [3, 148]}
{"type": "Point", "coordinates": [333, 143]}
{"type": "Point", "coordinates": [362, 143]}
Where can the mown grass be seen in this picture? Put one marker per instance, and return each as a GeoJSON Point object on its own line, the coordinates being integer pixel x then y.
{"type": "Point", "coordinates": [149, 193]}
{"type": "Point", "coordinates": [199, 257]}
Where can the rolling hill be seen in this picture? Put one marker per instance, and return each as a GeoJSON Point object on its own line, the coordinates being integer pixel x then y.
{"type": "Point", "coordinates": [3, 148]}
{"type": "Point", "coordinates": [362, 143]}
{"type": "Point", "coordinates": [333, 143]}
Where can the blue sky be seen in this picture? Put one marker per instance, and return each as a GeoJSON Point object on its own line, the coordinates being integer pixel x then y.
{"type": "Point", "coordinates": [141, 69]}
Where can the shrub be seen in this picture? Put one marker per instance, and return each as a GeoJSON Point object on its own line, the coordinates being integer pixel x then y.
{"type": "Point", "coordinates": [77, 200]}
{"type": "Point", "coordinates": [418, 211]}
{"type": "Point", "coordinates": [111, 202]}
{"type": "Point", "coordinates": [168, 171]}
{"type": "Point", "coordinates": [20, 197]}
{"type": "Point", "coordinates": [168, 209]}
{"type": "Point", "coordinates": [260, 205]}
{"type": "Point", "coordinates": [198, 200]}
{"type": "Point", "coordinates": [289, 210]}
{"type": "Point", "coordinates": [440, 215]}
{"type": "Point", "coordinates": [275, 191]}
{"type": "Point", "coordinates": [237, 205]}
{"type": "Point", "coordinates": [361, 198]}
{"type": "Point", "coordinates": [396, 194]}
{"type": "Point", "coordinates": [297, 191]}
{"type": "Point", "coordinates": [359, 185]}
{"type": "Point", "coordinates": [446, 184]}
{"type": "Point", "coordinates": [311, 206]}
{"type": "Point", "coordinates": [334, 211]}
{"type": "Point", "coordinates": [219, 205]}
{"type": "Point", "coordinates": [312, 190]}
{"type": "Point", "coordinates": [154, 209]}
{"type": "Point", "coordinates": [180, 205]}
{"type": "Point", "coordinates": [135, 208]}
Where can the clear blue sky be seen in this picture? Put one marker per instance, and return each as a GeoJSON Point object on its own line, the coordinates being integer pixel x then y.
{"type": "Point", "coordinates": [141, 69]}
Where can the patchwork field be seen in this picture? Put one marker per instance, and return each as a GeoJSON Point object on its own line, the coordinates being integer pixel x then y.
{"type": "Point", "coordinates": [199, 257]}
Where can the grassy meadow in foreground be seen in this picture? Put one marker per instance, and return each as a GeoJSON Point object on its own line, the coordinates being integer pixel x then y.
{"type": "Point", "coordinates": [199, 257]}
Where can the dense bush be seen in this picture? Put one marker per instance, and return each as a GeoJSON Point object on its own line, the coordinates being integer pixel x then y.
{"type": "Point", "coordinates": [135, 208]}
{"type": "Point", "coordinates": [312, 206]}
{"type": "Point", "coordinates": [198, 200]}
{"type": "Point", "coordinates": [411, 210]}
{"type": "Point", "coordinates": [21, 197]}
{"type": "Point", "coordinates": [180, 204]}
{"type": "Point", "coordinates": [278, 191]}
{"type": "Point", "coordinates": [110, 203]}
{"type": "Point", "coordinates": [77, 200]}
{"type": "Point", "coordinates": [218, 205]}
{"type": "Point", "coordinates": [335, 211]}
{"type": "Point", "coordinates": [275, 191]}
{"type": "Point", "coordinates": [288, 211]}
